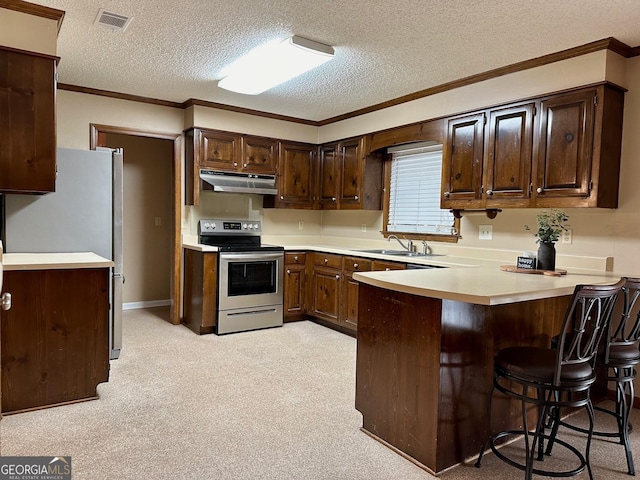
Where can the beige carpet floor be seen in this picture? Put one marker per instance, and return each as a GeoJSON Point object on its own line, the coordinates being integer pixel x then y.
{"type": "Point", "coordinates": [270, 404]}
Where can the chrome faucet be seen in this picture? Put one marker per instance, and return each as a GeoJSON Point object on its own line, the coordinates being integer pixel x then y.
{"type": "Point", "coordinates": [425, 247]}
{"type": "Point", "coordinates": [408, 247]}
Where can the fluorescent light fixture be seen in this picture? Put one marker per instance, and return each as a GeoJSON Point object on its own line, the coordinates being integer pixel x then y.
{"type": "Point", "coordinates": [274, 63]}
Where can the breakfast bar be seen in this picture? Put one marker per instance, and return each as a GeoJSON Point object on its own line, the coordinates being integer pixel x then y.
{"type": "Point", "coordinates": [426, 340]}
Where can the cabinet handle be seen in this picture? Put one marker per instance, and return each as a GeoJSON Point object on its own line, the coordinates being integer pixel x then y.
{"type": "Point", "coordinates": [355, 265]}
{"type": "Point", "coordinates": [356, 197]}
{"type": "Point", "coordinates": [446, 194]}
{"type": "Point", "coordinates": [489, 192]}
{"type": "Point", "coordinates": [288, 272]}
{"type": "Point", "coordinates": [539, 189]}
{"type": "Point", "coordinates": [295, 258]}
{"type": "Point", "coordinates": [5, 301]}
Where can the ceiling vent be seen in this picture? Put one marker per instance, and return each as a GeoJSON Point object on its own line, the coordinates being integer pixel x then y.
{"type": "Point", "coordinates": [112, 20]}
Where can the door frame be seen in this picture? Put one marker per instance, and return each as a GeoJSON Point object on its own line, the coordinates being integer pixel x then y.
{"type": "Point", "coordinates": [97, 139]}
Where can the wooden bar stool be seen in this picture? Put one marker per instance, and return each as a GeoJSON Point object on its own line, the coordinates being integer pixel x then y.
{"type": "Point", "coordinates": [554, 378]}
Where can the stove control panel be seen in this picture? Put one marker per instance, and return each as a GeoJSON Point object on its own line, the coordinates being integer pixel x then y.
{"type": "Point", "coordinates": [229, 227]}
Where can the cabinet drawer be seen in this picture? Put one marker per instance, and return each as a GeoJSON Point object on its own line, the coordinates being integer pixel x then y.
{"type": "Point", "coordinates": [356, 264]}
{"type": "Point", "coordinates": [378, 265]}
{"type": "Point", "coordinates": [327, 260]}
{"type": "Point", "coordinates": [294, 258]}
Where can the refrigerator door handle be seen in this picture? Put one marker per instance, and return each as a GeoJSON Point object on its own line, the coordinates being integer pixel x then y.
{"type": "Point", "coordinates": [119, 275]}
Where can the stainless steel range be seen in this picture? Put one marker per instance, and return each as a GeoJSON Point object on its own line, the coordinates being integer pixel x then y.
{"type": "Point", "coordinates": [250, 275]}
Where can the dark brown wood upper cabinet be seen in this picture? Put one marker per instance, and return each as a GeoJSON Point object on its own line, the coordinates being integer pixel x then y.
{"type": "Point", "coordinates": [558, 151]}
{"type": "Point", "coordinates": [27, 122]}
{"type": "Point", "coordinates": [328, 176]}
{"type": "Point", "coordinates": [296, 179]}
{"type": "Point", "coordinates": [507, 169]}
{"type": "Point", "coordinates": [218, 150]}
{"type": "Point", "coordinates": [348, 177]}
{"type": "Point", "coordinates": [566, 145]}
{"type": "Point", "coordinates": [259, 155]}
{"type": "Point", "coordinates": [462, 162]}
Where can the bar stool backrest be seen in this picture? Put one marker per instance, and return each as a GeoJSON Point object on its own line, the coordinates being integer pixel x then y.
{"type": "Point", "coordinates": [627, 330]}
{"type": "Point", "coordinates": [586, 320]}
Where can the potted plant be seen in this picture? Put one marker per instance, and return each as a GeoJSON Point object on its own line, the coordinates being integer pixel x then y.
{"type": "Point", "coordinates": [551, 224]}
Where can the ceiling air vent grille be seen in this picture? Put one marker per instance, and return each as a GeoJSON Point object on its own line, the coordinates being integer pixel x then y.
{"type": "Point", "coordinates": [112, 20]}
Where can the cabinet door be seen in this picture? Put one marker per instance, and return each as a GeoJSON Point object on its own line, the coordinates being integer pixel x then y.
{"type": "Point", "coordinates": [349, 306]}
{"type": "Point", "coordinates": [259, 155]}
{"type": "Point", "coordinates": [507, 170]}
{"type": "Point", "coordinates": [200, 286]}
{"type": "Point", "coordinates": [328, 169]}
{"type": "Point", "coordinates": [55, 337]}
{"type": "Point", "coordinates": [351, 173]}
{"type": "Point", "coordinates": [326, 293]}
{"type": "Point", "coordinates": [462, 162]}
{"type": "Point", "coordinates": [219, 150]}
{"type": "Point", "coordinates": [296, 175]}
{"type": "Point", "coordinates": [294, 290]}
{"type": "Point", "coordinates": [563, 166]}
{"type": "Point", "coordinates": [27, 123]}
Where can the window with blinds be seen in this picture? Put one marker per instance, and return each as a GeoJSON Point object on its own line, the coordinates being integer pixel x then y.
{"type": "Point", "coordinates": [414, 191]}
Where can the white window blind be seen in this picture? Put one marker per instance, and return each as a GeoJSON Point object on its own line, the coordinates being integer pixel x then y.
{"type": "Point", "coordinates": [414, 196]}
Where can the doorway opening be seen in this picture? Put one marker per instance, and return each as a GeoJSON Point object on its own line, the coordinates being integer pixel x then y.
{"type": "Point", "coordinates": [152, 212]}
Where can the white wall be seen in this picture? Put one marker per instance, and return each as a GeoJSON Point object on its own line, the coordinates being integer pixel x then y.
{"type": "Point", "coordinates": [28, 32]}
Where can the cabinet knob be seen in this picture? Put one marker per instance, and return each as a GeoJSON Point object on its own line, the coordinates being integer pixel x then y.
{"type": "Point", "coordinates": [5, 301]}
{"type": "Point", "coordinates": [235, 164]}
{"type": "Point", "coordinates": [295, 258]}
{"type": "Point", "coordinates": [539, 189]}
{"type": "Point", "coordinates": [337, 276]}
{"type": "Point", "coordinates": [356, 197]}
{"type": "Point", "coordinates": [281, 197]}
{"type": "Point", "coordinates": [489, 192]}
{"type": "Point", "coordinates": [446, 194]}
{"type": "Point", "coordinates": [355, 265]}
{"type": "Point", "coordinates": [288, 272]}
{"type": "Point", "coordinates": [333, 199]}
{"type": "Point", "coordinates": [326, 260]}
{"type": "Point", "coordinates": [387, 269]}
{"type": "Point", "coordinates": [245, 165]}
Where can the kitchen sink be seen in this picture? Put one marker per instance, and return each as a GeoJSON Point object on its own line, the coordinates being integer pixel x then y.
{"type": "Point", "coordinates": [384, 251]}
{"type": "Point", "coordinates": [401, 253]}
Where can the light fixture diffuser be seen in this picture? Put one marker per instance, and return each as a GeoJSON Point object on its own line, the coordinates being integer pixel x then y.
{"type": "Point", "coordinates": [274, 63]}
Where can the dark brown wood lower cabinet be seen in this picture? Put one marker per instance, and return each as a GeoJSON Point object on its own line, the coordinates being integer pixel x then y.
{"type": "Point", "coordinates": [295, 285]}
{"type": "Point", "coordinates": [200, 290]}
{"type": "Point", "coordinates": [55, 343]}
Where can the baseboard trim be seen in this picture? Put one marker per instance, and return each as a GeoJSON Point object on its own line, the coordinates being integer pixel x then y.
{"type": "Point", "coordinates": [148, 304]}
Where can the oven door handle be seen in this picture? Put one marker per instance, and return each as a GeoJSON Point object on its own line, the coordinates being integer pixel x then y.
{"type": "Point", "coordinates": [252, 256]}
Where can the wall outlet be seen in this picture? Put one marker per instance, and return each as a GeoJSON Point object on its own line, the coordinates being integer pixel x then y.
{"type": "Point", "coordinates": [567, 236]}
{"type": "Point", "coordinates": [364, 227]}
{"type": "Point", "coordinates": [300, 225]}
{"type": "Point", "coordinates": [485, 232]}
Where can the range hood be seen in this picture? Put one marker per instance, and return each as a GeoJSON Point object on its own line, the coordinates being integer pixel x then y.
{"type": "Point", "coordinates": [233, 182]}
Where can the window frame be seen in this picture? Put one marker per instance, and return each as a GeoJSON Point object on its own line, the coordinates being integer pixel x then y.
{"type": "Point", "coordinates": [436, 237]}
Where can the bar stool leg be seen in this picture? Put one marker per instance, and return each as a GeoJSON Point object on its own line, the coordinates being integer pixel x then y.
{"type": "Point", "coordinates": [627, 392]}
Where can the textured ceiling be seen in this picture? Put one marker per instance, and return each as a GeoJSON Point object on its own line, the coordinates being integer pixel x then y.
{"type": "Point", "coordinates": [176, 50]}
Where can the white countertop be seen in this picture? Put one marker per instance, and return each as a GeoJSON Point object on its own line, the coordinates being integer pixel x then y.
{"type": "Point", "coordinates": [53, 261]}
{"type": "Point", "coordinates": [482, 285]}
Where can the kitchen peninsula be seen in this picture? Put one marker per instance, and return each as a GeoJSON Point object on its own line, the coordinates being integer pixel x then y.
{"type": "Point", "coordinates": [426, 340]}
{"type": "Point", "coordinates": [55, 336]}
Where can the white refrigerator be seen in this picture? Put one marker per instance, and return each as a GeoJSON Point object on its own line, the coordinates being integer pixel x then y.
{"type": "Point", "coordinates": [84, 214]}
